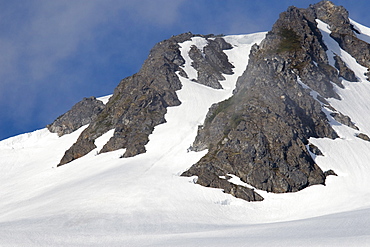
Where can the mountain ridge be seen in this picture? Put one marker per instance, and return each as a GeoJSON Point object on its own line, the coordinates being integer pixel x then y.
{"type": "Point", "coordinates": [102, 199]}
{"type": "Point", "coordinates": [293, 56]}
{"type": "Point", "coordinates": [265, 143]}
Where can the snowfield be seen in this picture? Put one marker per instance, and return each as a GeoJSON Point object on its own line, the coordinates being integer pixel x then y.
{"type": "Point", "coordinates": [102, 200]}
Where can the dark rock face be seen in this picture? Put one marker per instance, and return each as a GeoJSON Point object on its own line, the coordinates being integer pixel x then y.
{"type": "Point", "coordinates": [82, 113]}
{"type": "Point", "coordinates": [342, 30]}
{"type": "Point", "coordinates": [260, 133]}
{"type": "Point", "coordinates": [212, 179]}
{"type": "Point", "coordinates": [140, 102]}
{"type": "Point", "coordinates": [330, 173]}
{"type": "Point", "coordinates": [212, 63]}
{"type": "Point", "coordinates": [363, 137]}
{"type": "Point", "coordinates": [343, 120]}
{"type": "Point", "coordinates": [344, 71]}
{"type": "Point", "coordinates": [137, 105]}
{"type": "Point", "coordinates": [315, 150]}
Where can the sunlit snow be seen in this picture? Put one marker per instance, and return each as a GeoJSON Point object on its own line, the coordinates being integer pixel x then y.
{"type": "Point", "coordinates": [104, 99]}
{"type": "Point", "coordinates": [102, 200]}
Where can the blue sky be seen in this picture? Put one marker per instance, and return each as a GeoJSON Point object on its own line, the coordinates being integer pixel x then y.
{"type": "Point", "coordinates": [54, 53]}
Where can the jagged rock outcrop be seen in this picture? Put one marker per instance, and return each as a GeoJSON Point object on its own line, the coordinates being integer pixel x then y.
{"type": "Point", "coordinates": [363, 137]}
{"type": "Point", "coordinates": [140, 101]}
{"type": "Point", "coordinates": [138, 104]}
{"type": "Point", "coordinates": [260, 133]}
{"type": "Point", "coordinates": [344, 71]}
{"type": "Point", "coordinates": [315, 150]}
{"type": "Point", "coordinates": [213, 179]}
{"type": "Point", "coordinates": [212, 62]}
{"type": "Point", "coordinates": [343, 120]}
{"type": "Point", "coordinates": [342, 30]}
{"type": "Point", "coordinates": [82, 113]}
{"type": "Point", "coordinates": [330, 173]}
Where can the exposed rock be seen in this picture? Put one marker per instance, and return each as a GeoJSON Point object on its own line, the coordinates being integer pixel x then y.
{"type": "Point", "coordinates": [78, 150]}
{"type": "Point", "coordinates": [342, 30]}
{"type": "Point", "coordinates": [343, 120]}
{"type": "Point", "coordinates": [335, 16]}
{"type": "Point", "coordinates": [330, 173]}
{"type": "Point", "coordinates": [82, 113]}
{"type": "Point", "coordinates": [363, 137]}
{"type": "Point", "coordinates": [137, 105]}
{"type": "Point", "coordinates": [209, 179]}
{"type": "Point", "coordinates": [296, 33]}
{"type": "Point", "coordinates": [315, 150]}
{"type": "Point", "coordinates": [260, 133]}
{"type": "Point", "coordinates": [325, 102]}
{"type": "Point", "coordinates": [140, 102]}
{"type": "Point", "coordinates": [344, 71]}
{"type": "Point", "coordinates": [211, 63]}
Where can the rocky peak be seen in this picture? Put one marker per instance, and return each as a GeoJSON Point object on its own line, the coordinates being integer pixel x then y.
{"type": "Point", "coordinates": [82, 113]}
{"type": "Point", "coordinates": [341, 30]}
{"type": "Point", "coordinates": [140, 102]}
{"type": "Point", "coordinates": [212, 62]}
{"type": "Point", "coordinates": [261, 133]}
{"type": "Point", "coordinates": [335, 16]}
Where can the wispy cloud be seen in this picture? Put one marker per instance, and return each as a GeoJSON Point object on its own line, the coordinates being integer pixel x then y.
{"type": "Point", "coordinates": [37, 37]}
{"type": "Point", "coordinates": [53, 30]}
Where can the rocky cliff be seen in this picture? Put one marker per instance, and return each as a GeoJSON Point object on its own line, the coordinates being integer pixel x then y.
{"type": "Point", "coordinates": [140, 101]}
{"type": "Point", "coordinates": [261, 134]}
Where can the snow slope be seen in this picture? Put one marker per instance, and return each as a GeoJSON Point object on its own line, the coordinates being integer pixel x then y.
{"type": "Point", "coordinates": [101, 200]}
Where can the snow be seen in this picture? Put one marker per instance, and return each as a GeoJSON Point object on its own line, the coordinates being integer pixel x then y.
{"type": "Point", "coordinates": [199, 43]}
{"type": "Point", "coordinates": [364, 31]}
{"type": "Point", "coordinates": [336, 50]}
{"type": "Point", "coordinates": [102, 140]}
{"type": "Point", "coordinates": [104, 99]}
{"type": "Point", "coordinates": [102, 200]}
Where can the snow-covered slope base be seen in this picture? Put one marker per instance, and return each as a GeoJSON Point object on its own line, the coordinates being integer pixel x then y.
{"type": "Point", "coordinates": [101, 200]}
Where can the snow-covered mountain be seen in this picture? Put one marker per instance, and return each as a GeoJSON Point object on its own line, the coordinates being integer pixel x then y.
{"type": "Point", "coordinates": [84, 186]}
